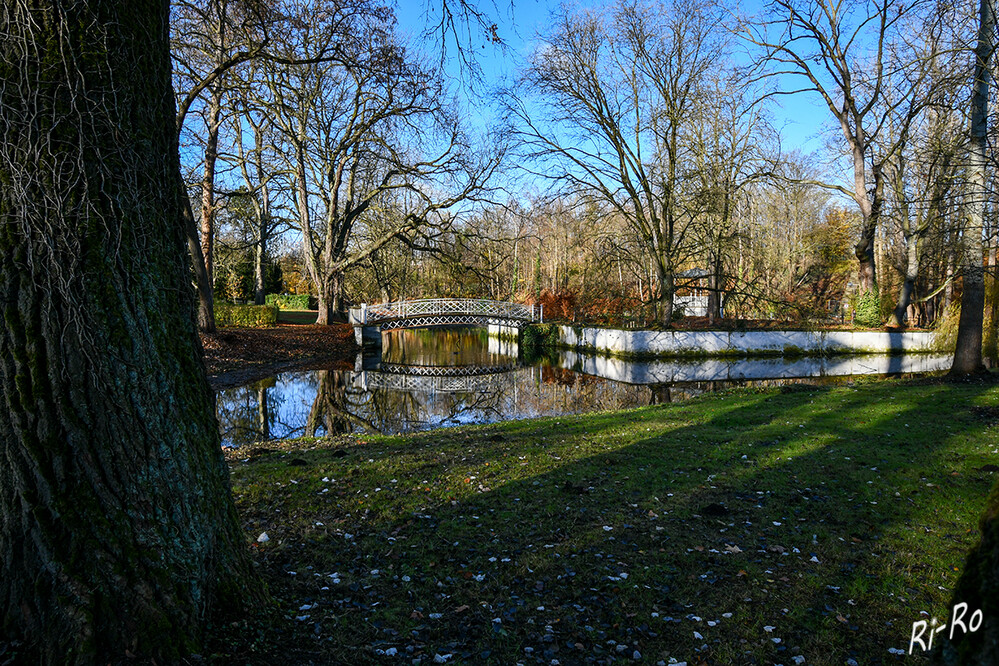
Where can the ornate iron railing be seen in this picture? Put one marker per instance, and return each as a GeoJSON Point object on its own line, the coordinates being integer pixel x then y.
{"type": "Point", "coordinates": [493, 381]}
{"type": "Point", "coordinates": [444, 370]}
{"type": "Point", "coordinates": [430, 308]}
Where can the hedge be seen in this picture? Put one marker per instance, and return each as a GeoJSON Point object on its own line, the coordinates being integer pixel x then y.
{"type": "Point", "coordinates": [289, 301]}
{"type": "Point", "coordinates": [539, 341]}
{"type": "Point", "coordinates": [868, 310]}
{"type": "Point", "coordinates": [227, 314]}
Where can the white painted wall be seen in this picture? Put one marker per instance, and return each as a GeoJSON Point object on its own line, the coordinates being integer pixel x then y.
{"type": "Point", "coordinates": [721, 369]}
{"type": "Point", "coordinates": [670, 343]}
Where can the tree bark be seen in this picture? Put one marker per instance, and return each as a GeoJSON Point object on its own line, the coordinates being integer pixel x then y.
{"type": "Point", "coordinates": [208, 183]}
{"type": "Point", "coordinates": [203, 285]}
{"type": "Point", "coordinates": [968, 354]}
{"type": "Point", "coordinates": [118, 534]}
{"type": "Point", "coordinates": [667, 289]}
{"type": "Point", "coordinates": [911, 274]}
{"type": "Point", "coordinates": [978, 587]}
{"type": "Point", "coordinates": [330, 299]}
{"type": "Point", "coordinates": [870, 208]}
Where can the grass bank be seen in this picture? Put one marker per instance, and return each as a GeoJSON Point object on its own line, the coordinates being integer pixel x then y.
{"type": "Point", "coordinates": [806, 525]}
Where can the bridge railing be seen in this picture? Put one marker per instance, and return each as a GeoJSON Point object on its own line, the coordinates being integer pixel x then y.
{"type": "Point", "coordinates": [373, 314]}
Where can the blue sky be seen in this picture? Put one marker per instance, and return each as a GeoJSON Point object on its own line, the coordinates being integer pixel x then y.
{"type": "Point", "coordinates": [803, 119]}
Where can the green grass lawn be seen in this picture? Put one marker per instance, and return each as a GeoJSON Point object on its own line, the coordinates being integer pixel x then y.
{"type": "Point", "coordinates": [297, 316]}
{"type": "Point", "coordinates": [751, 526]}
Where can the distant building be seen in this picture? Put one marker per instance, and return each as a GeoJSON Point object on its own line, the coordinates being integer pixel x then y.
{"type": "Point", "coordinates": [692, 297]}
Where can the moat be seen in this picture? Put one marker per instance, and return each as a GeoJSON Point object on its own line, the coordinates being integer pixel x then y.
{"type": "Point", "coordinates": [432, 378]}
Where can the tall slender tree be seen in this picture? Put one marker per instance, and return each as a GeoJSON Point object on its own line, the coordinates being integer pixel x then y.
{"type": "Point", "coordinates": [117, 529]}
{"type": "Point", "coordinates": [606, 109]}
{"type": "Point", "coordinates": [979, 583]}
{"type": "Point", "coordinates": [968, 354]}
{"type": "Point", "coordinates": [841, 52]}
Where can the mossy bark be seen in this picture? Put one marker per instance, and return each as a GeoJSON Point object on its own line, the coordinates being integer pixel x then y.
{"type": "Point", "coordinates": [979, 588]}
{"type": "Point", "coordinates": [118, 535]}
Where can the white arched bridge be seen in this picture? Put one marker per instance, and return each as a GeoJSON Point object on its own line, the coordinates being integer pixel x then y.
{"type": "Point", "coordinates": [370, 320]}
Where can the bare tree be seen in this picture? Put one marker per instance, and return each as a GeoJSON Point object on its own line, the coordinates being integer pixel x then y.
{"type": "Point", "coordinates": [732, 142]}
{"type": "Point", "coordinates": [357, 131]}
{"type": "Point", "coordinates": [617, 91]}
{"type": "Point", "coordinates": [840, 50]}
{"type": "Point", "coordinates": [921, 174]}
{"type": "Point", "coordinates": [209, 39]}
{"type": "Point", "coordinates": [260, 168]}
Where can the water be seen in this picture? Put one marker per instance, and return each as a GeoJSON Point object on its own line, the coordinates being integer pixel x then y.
{"type": "Point", "coordinates": [428, 379]}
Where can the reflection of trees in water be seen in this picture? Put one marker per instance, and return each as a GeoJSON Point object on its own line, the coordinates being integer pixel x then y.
{"type": "Point", "coordinates": [247, 414]}
{"type": "Point", "coordinates": [564, 391]}
{"type": "Point", "coordinates": [551, 374]}
{"type": "Point", "coordinates": [263, 423]}
{"type": "Point", "coordinates": [329, 403]}
{"type": "Point", "coordinates": [335, 409]}
{"type": "Point", "coordinates": [440, 347]}
{"type": "Point", "coordinates": [396, 411]}
{"type": "Point", "coordinates": [334, 402]}
{"type": "Point", "coordinates": [660, 394]}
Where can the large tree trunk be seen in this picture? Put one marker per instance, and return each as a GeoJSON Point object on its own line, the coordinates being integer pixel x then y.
{"type": "Point", "coordinates": [667, 289]}
{"type": "Point", "coordinates": [978, 587]}
{"type": "Point", "coordinates": [869, 210]}
{"type": "Point", "coordinates": [979, 582]}
{"type": "Point", "coordinates": [208, 183]}
{"type": "Point", "coordinates": [202, 283]}
{"type": "Point", "coordinates": [911, 275]}
{"type": "Point", "coordinates": [968, 354]}
{"type": "Point", "coordinates": [330, 299]}
{"type": "Point", "coordinates": [117, 530]}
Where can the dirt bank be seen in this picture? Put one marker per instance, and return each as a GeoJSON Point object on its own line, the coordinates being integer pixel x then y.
{"type": "Point", "coordinates": [236, 356]}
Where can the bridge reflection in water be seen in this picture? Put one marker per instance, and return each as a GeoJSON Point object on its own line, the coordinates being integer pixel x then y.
{"type": "Point", "coordinates": [428, 379]}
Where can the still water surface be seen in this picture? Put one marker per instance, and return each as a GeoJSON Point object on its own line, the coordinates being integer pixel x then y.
{"type": "Point", "coordinates": [434, 378]}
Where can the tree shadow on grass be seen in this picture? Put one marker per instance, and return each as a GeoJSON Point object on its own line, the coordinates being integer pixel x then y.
{"type": "Point", "coordinates": [638, 528]}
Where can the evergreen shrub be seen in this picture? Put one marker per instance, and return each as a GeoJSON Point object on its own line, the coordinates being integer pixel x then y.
{"type": "Point", "coordinates": [289, 301]}
{"type": "Point", "coordinates": [868, 311]}
{"type": "Point", "coordinates": [251, 316]}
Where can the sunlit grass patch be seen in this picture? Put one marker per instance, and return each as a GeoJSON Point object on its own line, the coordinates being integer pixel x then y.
{"type": "Point", "coordinates": [830, 515]}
